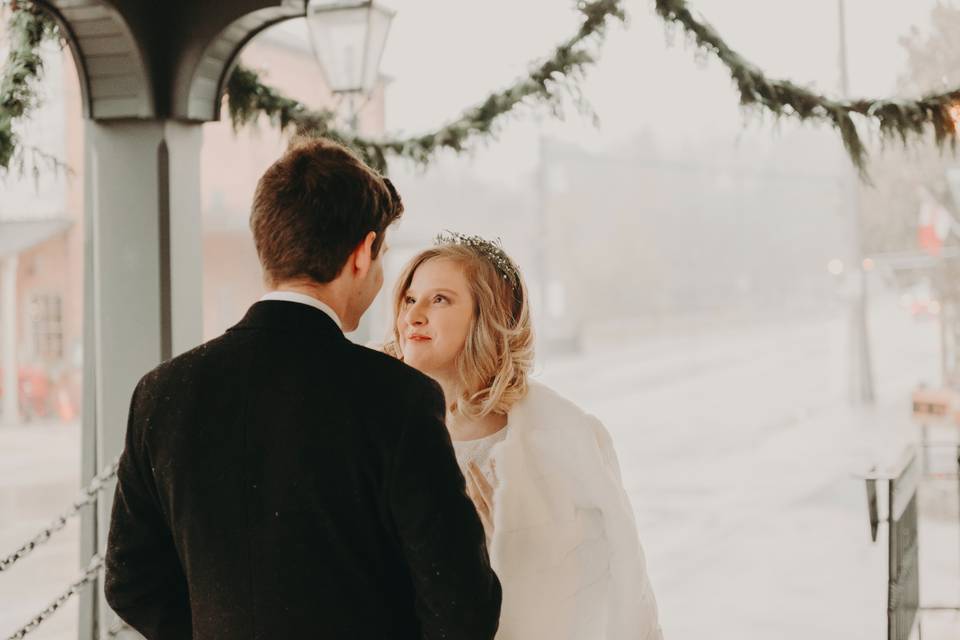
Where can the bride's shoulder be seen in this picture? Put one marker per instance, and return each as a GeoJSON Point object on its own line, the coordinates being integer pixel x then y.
{"type": "Point", "coordinates": [558, 428]}
{"type": "Point", "coordinates": [547, 408]}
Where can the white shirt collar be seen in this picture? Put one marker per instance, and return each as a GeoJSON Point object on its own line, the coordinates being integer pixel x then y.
{"type": "Point", "coordinates": [293, 296]}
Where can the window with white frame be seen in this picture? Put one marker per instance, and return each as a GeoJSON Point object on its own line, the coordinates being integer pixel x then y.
{"type": "Point", "coordinates": [46, 323]}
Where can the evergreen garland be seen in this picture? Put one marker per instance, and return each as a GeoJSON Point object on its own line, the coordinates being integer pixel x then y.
{"type": "Point", "coordinates": [895, 119]}
{"type": "Point", "coordinates": [27, 29]}
{"type": "Point", "coordinates": [248, 97]}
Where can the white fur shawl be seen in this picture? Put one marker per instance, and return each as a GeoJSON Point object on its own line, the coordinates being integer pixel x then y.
{"type": "Point", "coordinates": [565, 541]}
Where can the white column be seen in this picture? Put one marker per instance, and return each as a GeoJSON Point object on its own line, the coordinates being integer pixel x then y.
{"type": "Point", "coordinates": [143, 286]}
{"type": "Point", "coordinates": [8, 326]}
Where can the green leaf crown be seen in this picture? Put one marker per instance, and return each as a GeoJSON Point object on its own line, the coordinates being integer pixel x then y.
{"type": "Point", "coordinates": [491, 250]}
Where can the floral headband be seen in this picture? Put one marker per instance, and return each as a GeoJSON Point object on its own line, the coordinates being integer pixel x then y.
{"type": "Point", "coordinates": [492, 251]}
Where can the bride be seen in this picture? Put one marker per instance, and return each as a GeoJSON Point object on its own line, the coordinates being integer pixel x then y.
{"type": "Point", "coordinates": [541, 472]}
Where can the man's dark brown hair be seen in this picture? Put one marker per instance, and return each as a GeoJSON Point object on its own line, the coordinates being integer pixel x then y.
{"type": "Point", "coordinates": [313, 207]}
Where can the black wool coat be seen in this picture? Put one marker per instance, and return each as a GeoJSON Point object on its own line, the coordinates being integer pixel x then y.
{"type": "Point", "coordinates": [281, 482]}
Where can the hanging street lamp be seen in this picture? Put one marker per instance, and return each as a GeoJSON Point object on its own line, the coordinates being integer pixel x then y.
{"type": "Point", "coordinates": [348, 38]}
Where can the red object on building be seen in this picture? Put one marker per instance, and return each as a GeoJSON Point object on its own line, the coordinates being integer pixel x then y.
{"type": "Point", "coordinates": [928, 239]}
{"type": "Point", "coordinates": [933, 225]}
{"type": "Point", "coordinates": [36, 389]}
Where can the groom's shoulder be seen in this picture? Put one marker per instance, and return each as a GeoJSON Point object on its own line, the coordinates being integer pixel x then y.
{"type": "Point", "coordinates": [378, 363]}
{"type": "Point", "coordinates": [190, 363]}
{"type": "Point", "coordinates": [379, 368]}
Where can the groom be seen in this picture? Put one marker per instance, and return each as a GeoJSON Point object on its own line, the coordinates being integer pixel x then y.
{"type": "Point", "coordinates": [281, 482]}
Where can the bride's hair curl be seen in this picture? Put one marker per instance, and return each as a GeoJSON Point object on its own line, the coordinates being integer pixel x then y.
{"type": "Point", "coordinates": [498, 355]}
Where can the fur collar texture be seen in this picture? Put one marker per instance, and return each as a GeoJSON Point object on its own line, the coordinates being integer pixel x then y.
{"type": "Point", "coordinates": [565, 541]}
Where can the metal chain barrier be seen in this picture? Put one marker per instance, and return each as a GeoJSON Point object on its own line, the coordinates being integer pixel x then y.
{"type": "Point", "coordinates": [87, 496]}
{"type": "Point", "coordinates": [93, 569]}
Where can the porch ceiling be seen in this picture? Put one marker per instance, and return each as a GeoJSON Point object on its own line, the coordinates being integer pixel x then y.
{"type": "Point", "coordinates": [156, 60]}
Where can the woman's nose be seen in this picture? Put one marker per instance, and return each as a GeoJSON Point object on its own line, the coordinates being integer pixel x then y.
{"type": "Point", "coordinates": [415, 315]}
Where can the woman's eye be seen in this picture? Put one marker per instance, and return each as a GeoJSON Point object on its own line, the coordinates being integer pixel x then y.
{"type": "Point", "coordinates": [408, 300]}
{"type": "Point", "coordinates": [439, 298]}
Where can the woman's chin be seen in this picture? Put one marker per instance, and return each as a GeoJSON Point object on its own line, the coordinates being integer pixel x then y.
{"type": "Point", "coordinates": [415, 362]}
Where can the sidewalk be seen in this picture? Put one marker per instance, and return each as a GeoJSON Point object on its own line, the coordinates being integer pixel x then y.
{"type": "Point", "coordinates": [39, 479]}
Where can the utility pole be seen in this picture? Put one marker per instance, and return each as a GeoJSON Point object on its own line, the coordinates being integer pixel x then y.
{"type": "Point", "coordinates": [540, 231]}
{"type": "Point", "coordinates": [861, 365]}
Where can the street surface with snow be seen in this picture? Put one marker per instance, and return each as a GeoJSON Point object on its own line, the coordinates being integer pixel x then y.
{"type": "Point", "coordinates": [739, 448]}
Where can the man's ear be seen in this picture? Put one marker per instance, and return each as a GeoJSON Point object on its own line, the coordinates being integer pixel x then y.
{"type": "Point", "coordinates": [362, 257]}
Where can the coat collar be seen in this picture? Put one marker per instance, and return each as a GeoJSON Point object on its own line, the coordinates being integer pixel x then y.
{"type": "Point", "coordinates": [542, 408]}
{"type": "Point", "coordinates": [289, 316]}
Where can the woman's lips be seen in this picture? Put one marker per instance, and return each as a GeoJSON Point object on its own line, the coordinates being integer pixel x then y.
{"type": "Point", "coordinates": [418, 339]}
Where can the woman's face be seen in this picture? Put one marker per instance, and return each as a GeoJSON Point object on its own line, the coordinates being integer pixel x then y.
{"type": "Point", "coordinates": [436, 314]}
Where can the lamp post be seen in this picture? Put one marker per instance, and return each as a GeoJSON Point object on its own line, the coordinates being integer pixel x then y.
{"type": "Point", "coordinates": [862, 387]}
{"type": "Point", "coordinates": [348, 38]}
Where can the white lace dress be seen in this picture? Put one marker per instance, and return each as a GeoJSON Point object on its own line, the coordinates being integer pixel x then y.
{"type": "Point", "coordinates": [478, 451]}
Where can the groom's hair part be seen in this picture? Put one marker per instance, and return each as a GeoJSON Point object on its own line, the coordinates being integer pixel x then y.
{"type": "Point", "coordinates": [314, 206]}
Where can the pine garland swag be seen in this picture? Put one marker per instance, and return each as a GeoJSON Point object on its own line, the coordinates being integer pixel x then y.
{"type": "Point", "coordinates": [899, 120]}
{"type": "Point", "coordinates": [27, 29]}
{"type": "Point", "coordinates": [249, 97]}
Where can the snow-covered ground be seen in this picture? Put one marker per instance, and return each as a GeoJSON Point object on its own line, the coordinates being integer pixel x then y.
{"type": "Point", "coordinates": [740, 451]}
{"type": "Point", "coordinates": [738, 448]}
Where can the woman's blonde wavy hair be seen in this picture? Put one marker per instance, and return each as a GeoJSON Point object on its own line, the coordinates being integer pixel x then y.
{"type": "Point", "coordinates": [498, 354]}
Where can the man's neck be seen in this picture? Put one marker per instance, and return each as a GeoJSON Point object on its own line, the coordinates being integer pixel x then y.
{"type": "Point", "coordinates": [327, 294]}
